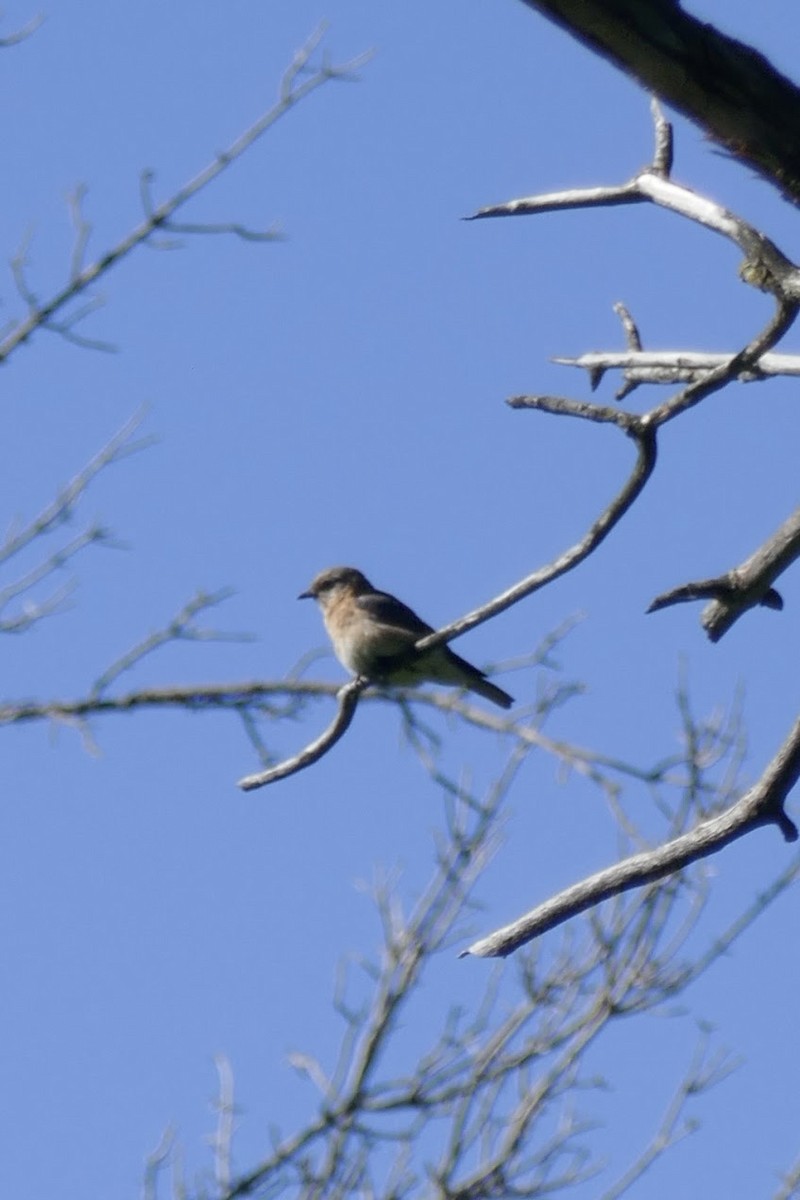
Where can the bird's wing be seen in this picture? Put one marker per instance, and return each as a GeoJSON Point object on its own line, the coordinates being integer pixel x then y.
{"type": "Point", "coordinates": [388, 610]}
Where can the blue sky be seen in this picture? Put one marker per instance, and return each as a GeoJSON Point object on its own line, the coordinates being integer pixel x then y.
{"type": "Point", "coordinates": [338, 397]}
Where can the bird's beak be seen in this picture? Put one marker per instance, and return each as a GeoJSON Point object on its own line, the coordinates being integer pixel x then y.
{"type": "Point", "coordinates": [306, 596]}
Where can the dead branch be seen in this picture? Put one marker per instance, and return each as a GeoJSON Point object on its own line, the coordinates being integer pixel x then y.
{"type": "Point", "coordinates": [728, 88]}
{"type": "Point", "coordinates": [744, 587]}
{"type": "Point", "coordinates": [643, 430]}
{"type": "Point", "coordinates": [182, 628]}
{"type": "Point", "coordinates": [347, 698]}
{"type": "Point", "coordinates": [762, 805]}
{"type": "Point", "coordinates": [764, 267]}
{"type": "Point", "coordinates": [483, 1085]}
{"type": "Point", "coordinates": [675, 366]}
{"type": "Point", "coordinates": [19, 35]}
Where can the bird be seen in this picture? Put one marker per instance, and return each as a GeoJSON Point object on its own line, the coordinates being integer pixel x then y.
{"type": "Point", "coordinates": [374, 633]}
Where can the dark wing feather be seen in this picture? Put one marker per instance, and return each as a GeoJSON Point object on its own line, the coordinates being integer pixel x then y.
{"type": "Point", "coordinates": [388, 610]}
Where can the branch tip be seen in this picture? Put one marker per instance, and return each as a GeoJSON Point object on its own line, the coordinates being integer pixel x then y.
{"type": "Point", "coordinates": [347, 698]}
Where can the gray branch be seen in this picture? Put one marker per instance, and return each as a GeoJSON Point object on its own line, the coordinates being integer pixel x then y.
{"type": "Point", "coordinates": [744, 587]}
{"type": "Point", "coordinates": [643, 430]}
{"type": "Point", "coordinates": [676, 366]}
{"type": "Point", "coordinates": [765, 266]}
{"type": "Point", "coordinates": [762, 805]}
{"type": "Point", "coordinates": [347, 698]}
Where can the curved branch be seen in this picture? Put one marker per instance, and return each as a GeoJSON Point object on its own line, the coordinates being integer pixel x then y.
{"type": "Point", "coordinates": [765, 267]}
{"type": "Point", "coordinates": [347, 697]}
{"type": "Point", "coordinates": [644, 434]}
{"type": "Point", "coordinates": [763, 804]}
{"type": "Point", "coordinates": [19, 35]}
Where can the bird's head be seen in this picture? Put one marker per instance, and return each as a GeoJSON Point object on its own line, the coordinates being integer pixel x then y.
{"type": "Point", "coordinates": [334, 582]}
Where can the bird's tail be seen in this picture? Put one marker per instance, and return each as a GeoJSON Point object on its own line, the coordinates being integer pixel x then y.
{"type": "Point", "coordinates": [490, 691]}
{"type": "Point", "coordinates": [463, 672]}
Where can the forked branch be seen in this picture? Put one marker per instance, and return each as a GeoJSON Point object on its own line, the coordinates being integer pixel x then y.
{"type": "Point", "coordinates": [744, 587]}
{"type": "Point", "coordinates": [299, 80]}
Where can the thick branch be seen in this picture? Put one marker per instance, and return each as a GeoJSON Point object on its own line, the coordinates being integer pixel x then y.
{"type": "Point", "coordinates": [726, 87]}
{"type": "Point", "coordinates": [763, 804]}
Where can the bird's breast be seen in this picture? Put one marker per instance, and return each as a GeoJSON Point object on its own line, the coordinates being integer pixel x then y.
{"type": "Point", "coordinates": [361, 643]}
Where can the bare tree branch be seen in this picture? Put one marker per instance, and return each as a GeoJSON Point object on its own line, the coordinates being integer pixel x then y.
{"type": "Point", "coordinates": [21, 536]}
{"type": "Point", "coordinates": [62, 508]}
{"type": "Point", "coordinates": [283, 699]}
{"type": "Point", "coordinates": [790, 1184]}
{"type": "Point", "coordinates": [156, 1161]}
{"type": "Point", "coordinates": [222, 1140]}
{"type": "Point", "coordinates": [493, 1092]}
{"type": "Point", "coordinates": [180, 628]}
{"type": "Point", "coordinates": [764, 267]}
{"type": "Point", "coordinates": [19, 35]}
{"type": "Point", "coordinates": [726, 87]}
{"type": "Point", "coordinates": [645, 437]}
{"type": "Point", "coordinates": [762, 805]}
{"type": "Point", "coordinates": [721, 944]}
{"type": "Point", "coordinates": [704, 1072]}
{"type": "Point", "coordinates": [676, 366]}
{"type": "Point", "coordinates": [297, 83]}
{"type": "Point", "coordinates": [33, 611]}
{"type": "Point", "coordinates": [779, 324]}
{"type": "Point", "coordinates": [190, 697]}
{"type": "Point", "coordinates": [642, 429]}
{"type": "Point", "coordinates": [347, 698]}
{"type": "Point", "coordinates": [742, 588]}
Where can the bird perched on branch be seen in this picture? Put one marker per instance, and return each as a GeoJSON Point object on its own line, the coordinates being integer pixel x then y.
{"type": "Point", "coordinates": [374, 634]}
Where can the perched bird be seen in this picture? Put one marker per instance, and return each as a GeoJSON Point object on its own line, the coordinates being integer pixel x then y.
{"type": "Point", "coordinates": [373, 634]}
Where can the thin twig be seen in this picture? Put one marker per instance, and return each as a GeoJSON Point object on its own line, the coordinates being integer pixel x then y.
{"type": "Point", "coordinates": [180, 628]}
{"type": "Point", "coordinates": [296, 84]}
{"type": "Point", "coordinates": [120, 446]}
